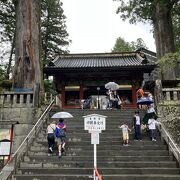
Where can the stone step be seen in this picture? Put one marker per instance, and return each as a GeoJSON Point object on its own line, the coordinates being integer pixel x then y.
{"type": "Point", "coordinates": [53, 158]}
{"type": "Point", "coordinates": [108, 153]}
{"type": "Point", "coordinates": [81, 142]}
{"type": "Point", "coordinates": [52, 177]}
{"type": "Point", "coordinates": [103, 171]}
{"type": "Point", "coordinates": [142, 160]}
{"type": "Point", "coordinates": [141, 177]}
{"type": "Point", "coordinates": [104, 147]}
{"type": "Point", "coordinates": [83, 132]}
{"type": "Point", "coordinates": [102, 112]}
{"type": "Point", "coordinates": [80, 126]}
{"type": "Point", "coordinates": [115, 139]}
{"type": "Point", "coordinates": [111, 164]}
{"type": "Point", "coordinates": [103, 137]}
{"type": "Point", "coordinates": [105, 177]}
{"type": "Point", "coordinates": [84, 112]}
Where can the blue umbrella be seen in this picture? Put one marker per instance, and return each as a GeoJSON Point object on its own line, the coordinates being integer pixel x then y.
{"type": "Point", "coordinates": [144, 101]}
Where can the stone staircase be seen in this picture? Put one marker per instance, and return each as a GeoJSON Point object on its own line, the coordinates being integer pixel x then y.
{"type": "Point", "coordinates": [142, 160]}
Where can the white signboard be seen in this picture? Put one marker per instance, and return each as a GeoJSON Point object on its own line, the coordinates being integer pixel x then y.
{"type": "Point", "coordinates": [95, 138]}
{"type": "Point", "coordinates": [5, 148]}
{"type": "Point", "coordinates": [94, 122]}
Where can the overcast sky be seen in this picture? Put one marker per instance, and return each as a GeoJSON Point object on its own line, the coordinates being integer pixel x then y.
{"type": "Point", "coordinates": [94, 26]}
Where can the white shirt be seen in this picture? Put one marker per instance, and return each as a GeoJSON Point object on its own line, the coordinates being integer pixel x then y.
{"type": "Point", "coordinates": [152, 123]}
{"type": "Point", "coordinates": [124, 128]}
{"type": "Point", "coordinates": [137, 120]}
{"type": "Point", "coordinates": [150, 110]}
{"type": "Point", "coordinates": [51, 128]}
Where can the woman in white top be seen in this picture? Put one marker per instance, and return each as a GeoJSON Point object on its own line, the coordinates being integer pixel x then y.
{"type": "Point", "coordinates": [51, 136]}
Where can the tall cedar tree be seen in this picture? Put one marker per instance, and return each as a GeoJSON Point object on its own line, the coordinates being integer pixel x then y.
{"type": "Point", "coordinates": [54, 33]}
{"type": "Point", "coordinates": [27, 70]}
{"type": "Point", "coordinates": [53, 29]}
{"type": "Point", "coordinates": [159, 13]}
{"type": "Point", "coordinates": [7, 30]}
{"type": "Point", "coordinates": [176, 26]}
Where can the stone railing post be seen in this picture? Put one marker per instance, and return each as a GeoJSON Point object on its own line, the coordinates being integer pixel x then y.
{"type": "Point", "coordinates": [168, 96]}
{"type": "Point", "coordinates": [36, 97]}
{"type": "Point", "coordinates": [175, 95]}
{"type": "Point", "coordinates": [21, 99]}
{"type": "Point", "coordinates": [28, 100]}
{"type": "Point", "coordinates": [171, 94]}
{"type": "Point", "coordinates": [1, 100]}
{"type": "Point", "coordinates": [16, 99]}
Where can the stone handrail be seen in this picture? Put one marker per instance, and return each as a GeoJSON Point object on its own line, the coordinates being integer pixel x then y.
{"type": "Point", "coordinates": [48, 97]}
{"type": "Point", "coordinates": [17, 99]}
{"type": "Point", "coordinates": [12, 165]}
{"type": "Point", "coordinates": [23, 99]}
{"type": "Point", "coordinates": [173, 148]}
{"type": "Point", "coordinates": [171, 94]}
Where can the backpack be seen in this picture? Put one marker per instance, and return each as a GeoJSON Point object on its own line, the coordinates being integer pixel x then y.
{"type": "Point", "coordinates": [60, 132]}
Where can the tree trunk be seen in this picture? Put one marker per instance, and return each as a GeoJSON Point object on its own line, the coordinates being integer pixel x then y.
{"type": "Point", "coordinates": [164, 35]}
{"type": "Point", "coordinates": [27, 71]}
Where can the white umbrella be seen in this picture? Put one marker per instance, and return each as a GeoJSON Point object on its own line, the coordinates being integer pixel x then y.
{"type": "Point", "coordinates": [112, 86]}
{"type": "Point", "coordinates": [62, 115]}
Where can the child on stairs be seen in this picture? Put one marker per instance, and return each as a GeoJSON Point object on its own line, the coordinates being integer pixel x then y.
{"type": "Point", "coordinates": [125, 134]}
{"type": "Point", "coordinates": [152, 127]}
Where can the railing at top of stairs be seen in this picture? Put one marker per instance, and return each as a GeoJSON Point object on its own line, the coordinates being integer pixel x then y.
{"type": "Point", "coordinates": [12, 165]}
{"type": "Point", "coordinates": [173, 148]}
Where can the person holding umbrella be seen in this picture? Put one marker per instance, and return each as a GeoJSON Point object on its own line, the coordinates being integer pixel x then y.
{"type": "Point", "coordinates": [61, 136]}
{"type": "Point", "coordinates": [111, 86]}
{"type": "Point", "coordinates": [60, 131]}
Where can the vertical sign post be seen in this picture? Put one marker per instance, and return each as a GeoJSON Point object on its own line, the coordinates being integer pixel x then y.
{"type": "Point", "coordinates": [94, 123]}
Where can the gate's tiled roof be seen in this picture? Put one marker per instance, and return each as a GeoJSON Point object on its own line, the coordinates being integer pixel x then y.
{"type": "Point", "coordinates": [104, 60]}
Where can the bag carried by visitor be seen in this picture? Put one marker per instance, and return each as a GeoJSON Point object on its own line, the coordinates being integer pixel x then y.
{"type": "Point", "coordinates": [60, 132]}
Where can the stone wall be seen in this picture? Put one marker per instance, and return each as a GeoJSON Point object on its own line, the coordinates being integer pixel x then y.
{"type": "Point", "coordinates": [26, 118]}
{"type": "Point", "coordinates": [169, 111]}
{"type": "Point", "coordinates": [19, 107]}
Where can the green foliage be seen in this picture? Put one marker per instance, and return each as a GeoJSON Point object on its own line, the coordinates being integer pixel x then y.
{"type": "Point", "coordinates": [136, 10]}
{"type": "Point", "coordinates": [7, 20]}
{"type": "Point", "coordinates": [5, 85]}
{"type": "Point", "coordinates": [2, 72]}
{"type": "Point", "coordinates": [170, 60]}
{"type": "Point", "coordinates": [122, 46]}
{"type": "Point", "coordinates": [176, 25]}
{"type": "Point", "coordinates": [54, 33]}
{"type": "Point", "coordinates": [49, 87]}
{"type": "Point", "coordinates": [142, 11]}
{"type": "Point", "coordinates": [138, 44]}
